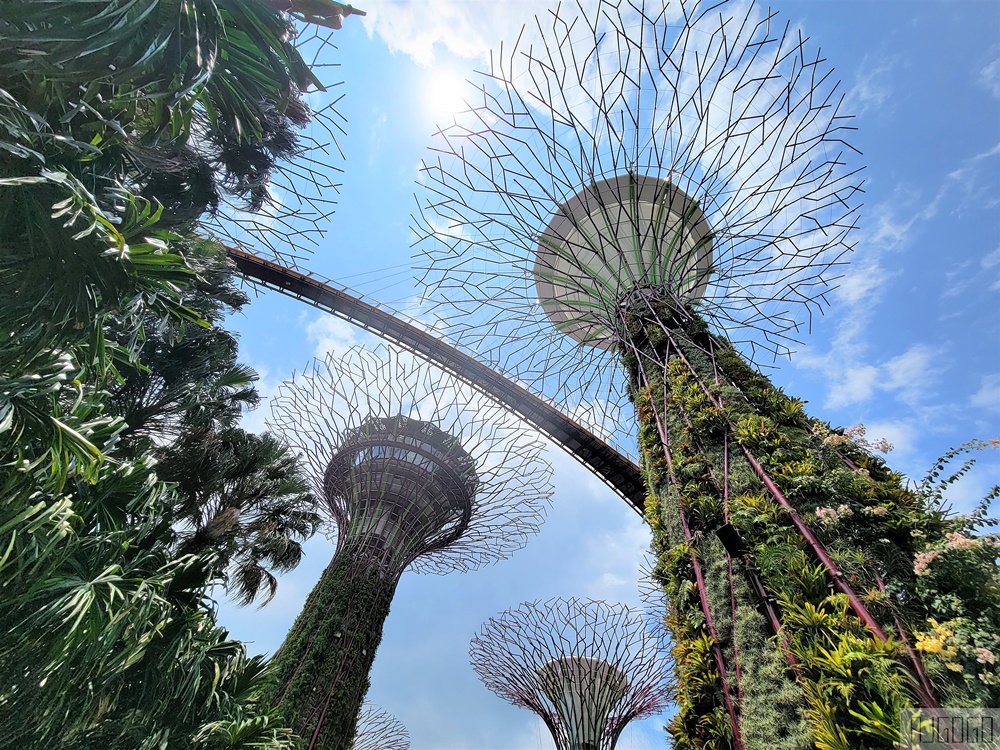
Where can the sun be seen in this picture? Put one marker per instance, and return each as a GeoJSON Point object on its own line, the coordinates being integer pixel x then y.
{"type": "Point", "coordinates": [444, 94]}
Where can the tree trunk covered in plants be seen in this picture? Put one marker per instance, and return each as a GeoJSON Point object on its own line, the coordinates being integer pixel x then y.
{"type": "Point", "coordinates": [321, 670]}
{"type": "Point", "coordinates": [833, 541]}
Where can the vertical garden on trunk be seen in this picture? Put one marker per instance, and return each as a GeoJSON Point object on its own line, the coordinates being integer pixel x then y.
{"type": "Point", "coordinates": [811, 657]}
{"type": "Point", "coordinates": [324, 663]}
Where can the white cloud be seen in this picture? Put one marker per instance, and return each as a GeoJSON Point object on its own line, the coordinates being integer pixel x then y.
{"type": "Point", "coordinates": [871, 88]}
{"type": "Point", "coordinates": [969, 491]}
{"type": "Point", "coordinates": [330, 334]}
{"type": "Point", "coordinates": [967, 176]}
{"type": "Point", "coordinates": [991, 260]}
{"type": "Point", "coordinates": [465, 29]}
{"type": "Point", "coordinates": [327, 334]}
{"type": "Point", "coordinates": [988, 395]}
{"type": "Point", "coordinates": [890, 232]}
{"type": "Point", "coordinates": [854, 385]}
{"type": "Point", "coordinates": [848, 368]}
{"type": "Point", "coordinates": [618, 554]}
{"type": "Point", "coordinates": [989, 77]}
{"type": "Point", "coordinates": [852, 380]}
{"type": "Point", "coordinates": [896, 220]}
{"type": "Point", "coordinates": [902, 434]}
{"type": "Point", "coordinates": [910, 373]}
{"type": "Point", "coordinates": [969, 276]}
{"type": "Point", "coordinates": [863, 282]}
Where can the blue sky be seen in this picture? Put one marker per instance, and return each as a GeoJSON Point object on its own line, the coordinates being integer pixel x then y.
{"type": "Point", "coordinates": [910, 345]}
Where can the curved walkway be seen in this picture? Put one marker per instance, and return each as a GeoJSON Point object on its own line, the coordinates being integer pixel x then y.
{"type": "Point", "coordinates": [619, 473]}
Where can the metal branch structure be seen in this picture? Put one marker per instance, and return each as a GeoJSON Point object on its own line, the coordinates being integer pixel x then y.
{"type": "Point", "coordinates": [416, 472]}
{"type": "Point", "coordinates": [654, 604]}
{"type": "Point", "coordinates": [302, 186]}
{"type": "Point", "coordinates": [626, 150]}
{"type": "Point", "coordinates": [587, 668]}
{"type": "Point", "coordinates": [380, 730]}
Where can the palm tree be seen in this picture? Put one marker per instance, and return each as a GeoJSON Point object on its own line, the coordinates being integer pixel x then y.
{"type": "Point", "coordinates": [122, 121]}
{"type": "Point", "coordinates": [238, 494]}
{"type": "Point", "coordinates": [109, 637]}
{"type": "Point", "coordinates": [243, 497]}
{"type": "Point", "coordinates": [185, 376]}
{"type": "Point", "coordinates": [131, 117]}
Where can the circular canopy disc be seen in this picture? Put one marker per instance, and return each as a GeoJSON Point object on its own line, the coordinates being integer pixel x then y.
{"type": "Point", "coordinates": [617, 236]}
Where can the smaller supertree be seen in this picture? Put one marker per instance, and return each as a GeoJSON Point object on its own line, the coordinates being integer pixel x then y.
{"type": "Point", "coordinates": [417, 472]}
{"type": "Point", "coordinates": [380, 730]}
{"type": "Point", "coordinates": [587, 668]}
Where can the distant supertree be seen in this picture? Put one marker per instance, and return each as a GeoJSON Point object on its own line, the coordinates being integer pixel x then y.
{"type": "Point", "coordinates": [380, 730]}
{"type": "Point", "coordinates": [587, 668]}
{"type": "Point", "coordinates": [642, 197]}
{"type": "Point", "coordinates": [416, 472]}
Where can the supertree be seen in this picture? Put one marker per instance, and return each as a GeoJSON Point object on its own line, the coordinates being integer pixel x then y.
{"type": "Point", "coordinates": [416, 471]}
{"type": "Point", "coordinates": [380, 730]}
{"type": "Point", "coordinates": [641, 202]}
{"type": "Point", "coordinates": [587, 668]}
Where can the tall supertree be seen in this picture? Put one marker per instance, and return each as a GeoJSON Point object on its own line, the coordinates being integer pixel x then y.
{"type": "Point", "coordinates": [587, 668]}
{"type": "Point", "coordinates": [380, 730]}
{"type": "Point", "coordinates": [641, 203]}
{"type": "Point", "coordinates": [416, 471]}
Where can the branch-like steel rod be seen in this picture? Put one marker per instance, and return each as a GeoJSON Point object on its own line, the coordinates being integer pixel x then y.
{"type": "Point", "coordinates": [414, 470]}
{"type": "Point", "coordinates": [587, 668]}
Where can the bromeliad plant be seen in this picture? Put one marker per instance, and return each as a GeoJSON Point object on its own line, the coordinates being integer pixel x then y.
{"type": "Point", "coordinates": [871, 595]}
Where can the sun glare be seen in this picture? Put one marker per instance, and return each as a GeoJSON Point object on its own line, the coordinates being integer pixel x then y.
{"type": "Point", "coordinates": [444, 93]}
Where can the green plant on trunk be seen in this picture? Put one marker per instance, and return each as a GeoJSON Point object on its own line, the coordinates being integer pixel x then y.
{"type": "Point", "coordinates": [926, 577]}
{"type": "Point", "coordinates": [323, 664]}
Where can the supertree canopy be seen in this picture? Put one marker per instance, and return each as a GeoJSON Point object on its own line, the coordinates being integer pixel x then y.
{"type": "Point", "coordinates": [587, 668]}
{"type": "Point", "coordinates": [380, 730]}
{"type": "Point", "coordinates": [399, 488]}
{"type": "Point", "coordinates": [416, 472]}
{"type": "Point", "coordinates": [641, 199]}
{"type": "Point", "coordinates": [688, 149]}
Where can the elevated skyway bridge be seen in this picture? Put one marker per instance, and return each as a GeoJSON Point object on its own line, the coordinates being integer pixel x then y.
{"type": "Point", "coordinates": [614, 469]}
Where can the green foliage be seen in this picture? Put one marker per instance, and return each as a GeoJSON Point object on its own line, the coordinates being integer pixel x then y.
{"type": "Point", "coordinates": [183, 100]}
{"type": "Point", "coordinates": [933, 488]}
{"type": "Point", "coordinates": [701, 722]}
{"type": "Point", "coordinates": [121, 124]}
{"type": "Point", "coordinates": [244, 498]}
{"type": "Point", "coordinates": [770, 704]}
{"type": "Point", "coordinates": [109, 639]}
